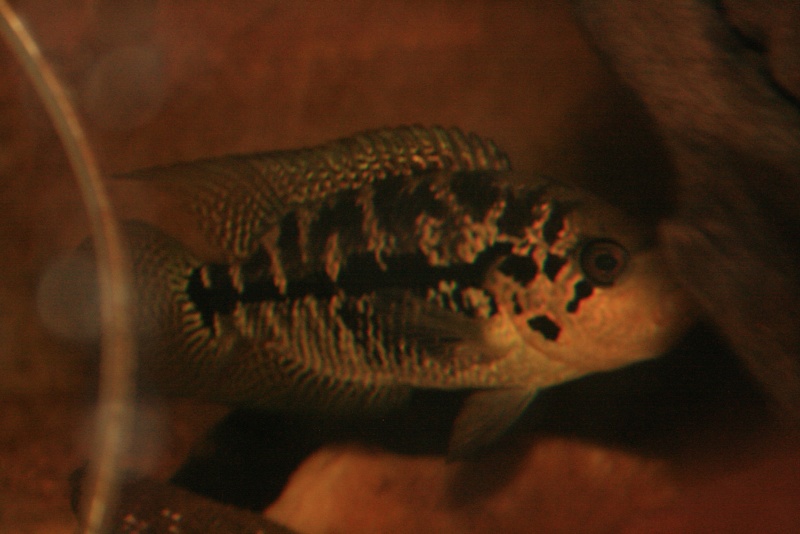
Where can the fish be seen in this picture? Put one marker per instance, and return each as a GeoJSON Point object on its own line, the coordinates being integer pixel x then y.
{"type": "Point", "coordinates": [360, 270]}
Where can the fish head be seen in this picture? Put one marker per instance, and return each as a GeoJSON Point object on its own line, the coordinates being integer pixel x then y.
{"type": "Point", "coordinates": [587, 288]}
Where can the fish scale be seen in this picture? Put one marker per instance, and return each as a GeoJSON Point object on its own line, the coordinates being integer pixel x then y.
{"type": "Point", "coordinates": [238, 197]}
{"type": "Point", "coordinates": [395, 259]}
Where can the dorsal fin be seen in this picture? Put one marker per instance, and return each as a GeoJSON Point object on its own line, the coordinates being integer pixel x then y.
{"type": "Point", "coordinates": [238, 199]}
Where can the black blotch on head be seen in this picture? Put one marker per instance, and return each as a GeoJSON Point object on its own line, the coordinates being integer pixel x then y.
{"type": "Point", "coordinates": [493, 309]}
{"type": "Point", "coordinates": [546, 326]}
{"type": "Point", "coordinates": [517, 306]}
{"type": "Point", "coordinates": [475, 192]}
{"type": "Point", "coordinates": [398, 203]}
{"type": "Point", "coordinates": [583, 289]}
{"type": "Point", "coordinates": [521, 268]}
{"type": "Point", "coordinates": [518, 213]}
{"type": "Point", "coordinates": [554, 224]}
{"type": "Point", "coordinates": [553, 265]}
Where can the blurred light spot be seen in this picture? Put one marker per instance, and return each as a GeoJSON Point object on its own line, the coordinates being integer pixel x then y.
{"type": "Point", "coordinates": [125, 88]}
{"type": "Point", "coordinates": [67, 298]}
{"type": "Point", "coordinates": [146, 444]}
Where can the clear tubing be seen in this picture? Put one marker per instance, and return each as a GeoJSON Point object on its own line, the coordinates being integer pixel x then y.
{"type": "Point", "coordinates": [118, 363]}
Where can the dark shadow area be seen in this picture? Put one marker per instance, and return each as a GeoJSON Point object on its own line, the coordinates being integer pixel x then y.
{"type": "Point", "coordinates": [248, 457]}
{"type": "Point", "coordinates": [694, 397]}
{"type": "Point", "coordinates": [769, 33]}
{"type": "Point", "coordinates": [722, 104]}
{"type": "Point", "coordinates": [695, 401]}
{"type": "Point", "coordinates": [624, 159]}
{"type": "Point", "coordinates": [695, 404]}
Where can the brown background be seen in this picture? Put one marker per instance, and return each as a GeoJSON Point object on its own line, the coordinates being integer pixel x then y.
{"type": "Point", "coordinates": [162, 81]}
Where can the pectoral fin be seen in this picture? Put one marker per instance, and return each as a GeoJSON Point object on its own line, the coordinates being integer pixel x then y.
{"type": "Point", "coordinates": [485, 416]}
{"type": "Point", "coordinates": [440, 332]}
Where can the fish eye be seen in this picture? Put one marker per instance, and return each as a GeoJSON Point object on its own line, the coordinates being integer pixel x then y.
{"type": "Point", "coordinates": [602, 261]}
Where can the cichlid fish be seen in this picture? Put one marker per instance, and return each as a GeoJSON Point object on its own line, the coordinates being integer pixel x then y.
{"type": "Point", "coordinates": [396, 259]}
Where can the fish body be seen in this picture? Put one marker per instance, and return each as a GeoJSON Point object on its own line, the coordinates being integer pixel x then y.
{"type": "Point", "coordinates": [397, 259]}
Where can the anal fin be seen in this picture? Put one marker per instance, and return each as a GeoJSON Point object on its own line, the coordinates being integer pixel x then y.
{"type": "Point", "coordinates": [485, 416]}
